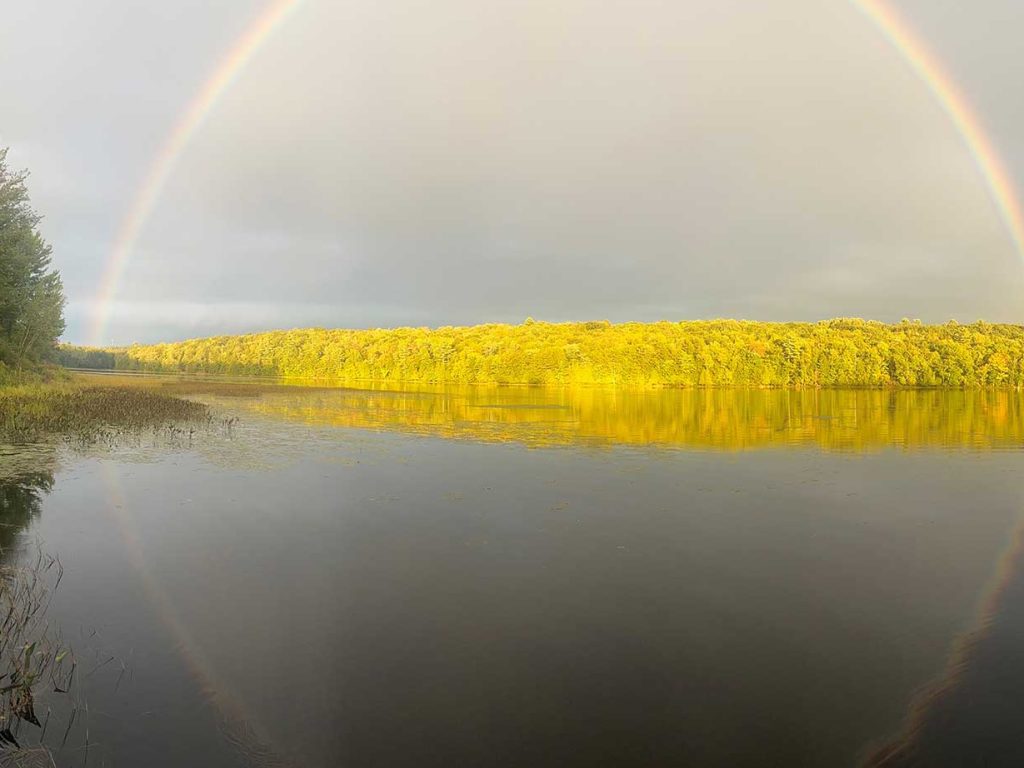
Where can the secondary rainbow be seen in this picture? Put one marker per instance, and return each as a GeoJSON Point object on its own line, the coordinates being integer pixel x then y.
{"type": "Point", "coordinates": [888, 21]}
{"type": "Point", "coordinates": [956, 106]}
{"type": "Point", "coordinates": [198, 110]}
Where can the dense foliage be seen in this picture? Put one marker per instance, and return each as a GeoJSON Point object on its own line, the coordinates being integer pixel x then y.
{"type": "Point", "coordinates": [31, 294]}
{"type": "Point", "coordinates": [71, 356]}
{"type": "Point", "coordinates": [843, 352]}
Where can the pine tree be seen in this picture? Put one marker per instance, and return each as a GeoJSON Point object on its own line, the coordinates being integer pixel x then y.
{"type": "Point", "coordinates": [31, 293]}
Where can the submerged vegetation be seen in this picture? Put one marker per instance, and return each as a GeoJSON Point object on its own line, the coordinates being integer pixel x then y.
{"type": "Point", "coordinates": [718, 353]}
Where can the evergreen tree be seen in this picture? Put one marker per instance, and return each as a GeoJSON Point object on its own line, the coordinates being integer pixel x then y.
{"type": "Point", "coordinates": [31, 293]}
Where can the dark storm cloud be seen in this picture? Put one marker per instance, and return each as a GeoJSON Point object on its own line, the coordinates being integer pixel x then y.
{"type": "Point", "coordinates": [455, 162]}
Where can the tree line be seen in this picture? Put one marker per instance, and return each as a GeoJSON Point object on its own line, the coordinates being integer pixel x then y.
{"type": "Point", "coordinates": [712, 353]}
{"type": "Point", "coordinates": [72, 356]}
{"type": "Point", "coordinates": [31, 293]}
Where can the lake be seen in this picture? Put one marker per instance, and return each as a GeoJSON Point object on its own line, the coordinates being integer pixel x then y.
{"type": "Point", "coordinates": [530, 577]}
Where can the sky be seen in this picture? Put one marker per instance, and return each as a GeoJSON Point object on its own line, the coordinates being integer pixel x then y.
{"type": "Point", "coordinates": [381, 163]}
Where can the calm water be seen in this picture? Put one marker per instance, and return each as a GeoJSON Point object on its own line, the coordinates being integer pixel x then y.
{"type": "Point", "coordinates": [517, 577]}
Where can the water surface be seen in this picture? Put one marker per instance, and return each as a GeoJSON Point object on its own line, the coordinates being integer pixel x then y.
{"type": "Point", "coordinates": [535, 577]}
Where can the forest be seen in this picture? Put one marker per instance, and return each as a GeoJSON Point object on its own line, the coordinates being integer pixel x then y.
{"type": "Point", "coordinates": [72, 356]}
{"type": "Point", "coordinates": [31, 293]}
{"type": "Point", "coordinates": [706, 353]}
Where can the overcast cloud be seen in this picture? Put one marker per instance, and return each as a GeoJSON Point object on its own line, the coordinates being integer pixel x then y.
{"type": "Point", "coordinates": [394, 162]}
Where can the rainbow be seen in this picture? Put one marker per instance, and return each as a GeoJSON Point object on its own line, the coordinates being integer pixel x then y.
{"type": "Point", "coordinates": [891, 25]}
{"type": "Point", "coordinates": [199, 109]}
{"type": "Point", "coordinates": [957, 108]}
{"type": "Point", "coordinates": [234, 718]}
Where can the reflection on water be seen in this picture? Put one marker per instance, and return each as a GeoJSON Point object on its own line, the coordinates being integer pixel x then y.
{"type": "Point", "coordinates": [294, 593]}
{"type": "Point", "coordinates": [21, 498]}
{"type": "Point", "coordinates": [37, 668]}
{"type": "Point", "coordinates": [717, 419]}
{"type": "Point", "coordinates": [973, 714]}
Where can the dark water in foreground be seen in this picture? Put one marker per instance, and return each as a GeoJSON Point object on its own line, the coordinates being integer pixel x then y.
{"type": "Point", "coordinates": [524, 578]}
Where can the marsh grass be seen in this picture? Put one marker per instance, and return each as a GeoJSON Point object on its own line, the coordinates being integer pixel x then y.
{"type": "Point", "coordinates": [35, 412]}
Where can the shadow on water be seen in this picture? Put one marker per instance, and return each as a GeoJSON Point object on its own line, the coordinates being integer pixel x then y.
{"type": "Point", "coordinates": [974, 714]}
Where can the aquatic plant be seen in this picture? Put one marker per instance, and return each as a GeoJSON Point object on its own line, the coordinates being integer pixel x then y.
{"type": "Point", "coordinates": [32, 655]}
{"type": "Point", "coordinates": [37, 668]}
{"type": "Point", "coordinates": [32, 413]}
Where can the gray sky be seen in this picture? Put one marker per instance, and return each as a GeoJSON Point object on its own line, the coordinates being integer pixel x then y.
{"type": "Point", "coordinates": [396, 162]}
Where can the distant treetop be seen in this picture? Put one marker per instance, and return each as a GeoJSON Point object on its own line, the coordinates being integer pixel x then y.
{"type": "Point", "coordinates": [840, 352]}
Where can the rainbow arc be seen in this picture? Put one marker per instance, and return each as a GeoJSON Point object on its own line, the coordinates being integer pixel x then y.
{"type": "Point", "coordinates": [913, 50]}
{"type": "Point", "coordinates": [191, 121]}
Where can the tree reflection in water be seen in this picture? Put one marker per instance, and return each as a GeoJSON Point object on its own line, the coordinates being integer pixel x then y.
{"type": "Point", "coordinates": [36, 669]}
{"type": "Point", "coordinates": [21, 497]}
